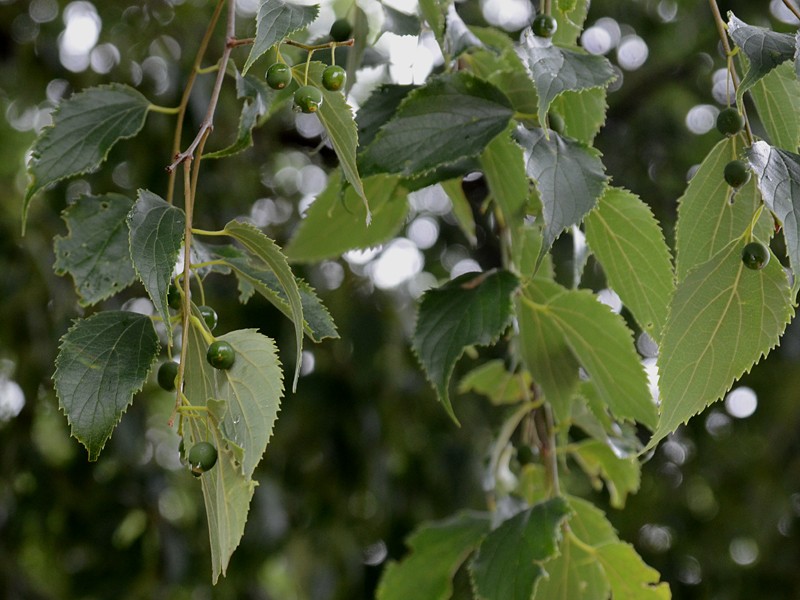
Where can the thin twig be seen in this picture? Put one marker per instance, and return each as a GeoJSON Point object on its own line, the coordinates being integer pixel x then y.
{"type": "Point", "coordinates": [792, 8]}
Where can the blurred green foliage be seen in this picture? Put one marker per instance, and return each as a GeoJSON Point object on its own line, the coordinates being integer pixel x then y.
{"type": "Point", "coordinates": [362, 453]}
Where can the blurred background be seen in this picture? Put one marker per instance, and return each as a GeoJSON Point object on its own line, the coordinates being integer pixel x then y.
{"type": "Point", "coordinates": [362, 453]}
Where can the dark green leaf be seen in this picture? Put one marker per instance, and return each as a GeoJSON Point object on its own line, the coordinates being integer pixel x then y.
{"type": "Point", "coordinates": [85, 127]}
{"type": "Point", "coordinates": [434, 11]}
{"type": "Point", "coordinates": [628, 242]}
{"type": "Point", "coordinates": [379, 109]}
{"type": "Point", "coordinates": [244, 133]}
{"type": "Point", "coordinates": [556, 70]}
{"type": "Point", "coordinates": [569, 177]}
{"type": "Point", "coordinates": [156, 235]}
{"type": "Point", "coordinates": [473, 309]}
{"type": "Point", "coordinates": [400, 23]}
{"type": "Point", "coordinates": [96, 251]}
{"type": "Point", "coordinates": [509, 560]}
{"type": "Point", "coordinates": [452, 117]}
{"type": "Point", "coordinates": [336, 221]}
{"type": "Point", "coordinates": [275, 20]}
{"type": "Point", "coordinates": [103, 361]}
{"type": "Point", "coordinates": [437, 551]}
{"type": "Point", "coordinates": [764, 49]}
{"type": "Point", "coordinates": [267, 253]}
{"type": "Point", "coordinates": [778, 175]}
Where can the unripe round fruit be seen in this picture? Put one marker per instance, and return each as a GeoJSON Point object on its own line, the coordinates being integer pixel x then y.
{"type": "Point", "coordinates": [167, 373]}
{"type": "Point", "coordinates": [755, 255]}
{"type": "Point", "coordinates": [279, 76]}
{"type": "Point", "coordinates": [173, 297]}
{"type": "Point", "coordinates": [308, 98]}
{"type": "Point", "coordinates": [221, 355]}
{"type": "Point", "coordinates": [736, 173]}
{"type": "Point", "coordinates": [209, 316]}
{"type": "Point", "coordinates": [525, 455]}
{"type": "Point", "coordinates": [202, 457]}
{"type": "Point", "coordinates": [333, 78]}
{"type": "Point", "coordinates": [544, 26]}
{"type": "Point", "coordinates": [341, 30]}
{"type": "Point", "coordinates": [729, 121]}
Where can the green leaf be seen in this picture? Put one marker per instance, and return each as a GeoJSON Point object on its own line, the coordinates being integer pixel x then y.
{"type": "Point", "coordinates": [318, 323]}
{"type": "Point", "coordinates": [457, 36]}
{"type": "Point", "coordinates": [723, 319]}
{"type": "Point", "coordinates": [629, 576]}
{"type": "Point", "coordinates": [557, 70]}
{"type": "Point", "coordinates": [492, 380]}
{"type": "Point", "coordinates": [336, 222]}
{"type": "Point", "coordinates": [777, 99]}
{"type": "Point", "coordinates": [379, 109]}
{"type": "Point", "coordinates": [778, 175]}
{"type": "Point", "coordinates": [244, 133]}
{"type": "Point", "coordinates": [568, 175]}
{"type": "Point", "coordinates": [621, 475]}
{"type": "Point", "coordinates": [267, 253]}
{"type": "Point", "coordinates": [400, 23]}
{"type": "Point", "coordinates": [336, 117]}
{"type": "Point", "coordinates": [509, 560]}
{"type": "Point", "coordinates": [707, 219]}
{"type": "Point", "coordinates": [603, 345]}
{"type": "Point", "coordinates": [570, 15]}
{"type": "Point", "coordinates": [544, 348]}
{"type": "Point", "coordinates": [95, 251]}
{"type": "Point", "coordinates": [473, 309]}
{"type": "Point", "coordinates": [453, 116]}
{"type": "Point", "coordinates": [102, 362]}
{"type": "Point", "coordinates": [156, 236]}
{"type": "Point", "coordinates": [462, 210]}
{"type": "Point", "coordinates": [573, 574]}
{"type": "Point", "coordinates": [584, 113]}
{"type": "Point", "coordinates": [276, 20]}
{"type": "Point", "coordinates": [626, 239]}
{"type": "Point", "coordinates": [85, 128]}
{"type": "Point", "coordinates": [226, 491]}
{"type": "Point", "coordinates": [763, 48]}
{"type": "Point", "coordinates": [589, 523]}
{"type": "Point", "coordinates": [433, 11]}
{"type": "Point", "coordinates": [252, 388]}
{"type": "Point", "coordinates": [437, 551]}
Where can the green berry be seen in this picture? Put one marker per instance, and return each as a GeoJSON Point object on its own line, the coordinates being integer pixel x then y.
{"type": "Point", "coordinates": [167, 373]}
{"type": "Point", "coordinates": [279, 76]}
{"type": "Point", "coordinates": [729, 121]}
{"type": "Point", "coordinates": [173, 297]}
{"type": "Point", "coordinates": [333, 78]}
{"type": "Point", "coordinates": [209, 316]}
{"type": "Point", "coordinates": [308, 98]}
{"type": "Point", "coordinates": [755, 255]}
{"type": "Point", "coordinates": [341, 30]}
{"type": "Point", "coordinates": [221, 355]}
{"type": "Point", "coordinates": [544, 26]}
{"type": "Point", "coordinates": [525, 455]}
{"type": "Point", "coordinates": [736, 173]}
{"type": "Point", "coordinates": [202, 457]}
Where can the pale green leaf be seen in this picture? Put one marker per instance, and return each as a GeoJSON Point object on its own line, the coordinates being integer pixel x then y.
{"type": "Point", "coordinates": [570, 15]}
{"type": "Point", "coordinates": [156, 236]}
{"type": "Point", "coordinates": [492, 380]}
{"type": "Point", "coordinates": [584, 113]}
{"type": "Point", "coordinates": [473, 309]}
{"type": "Point", "coordinates": [434, 11]}
{"type": "Point", "coordinates": [723, 318]}
{"type": "Point", "coordinates": [622, 476]}
{"type": "Point", "coordinates": [626, 239]}
{"type": "Point", "coordinates": [276, 20]}
{"type": "Point", "coordinates": [589, 523]}
{"type": "Point", "coordinates": [85, 128]}
{"type": "Point", "coordinates": [508, 562]}
{"type": "Point", "coordinates": [629, 576]}
{"type": "Point", "coordinates": [515, 83]}
{"type": "Point", "coordinates": [102, 362]}
{"type": "Point", "coordinates": [252, 388]}
{"type": "Point", "coordinates": [572, 575]}
{"type": "Point", "coordinates": [603, 345]}
{"type": "Point", "coordinates": [244, 133]}
{"type": "Point", "coordinates": [778, 175]}
{"type": "Point", "coordinates": [709, 215]}
{"type": "Point", "coordinates": [777, 100]}
{"type": "Point", "coordinates": [336, 221]}
{"type": "Point", "coordinates": [462, 210]}
{"type": "Point", "coordinates": [95, 250]}
{"type": "Point", "coordinates": [556, 70]}
{"type": "Point", "coordinates": [568, 175]}
{"type": "Point", "coordinates": [453, 116]}
{"type": "Point", "coordinates": [764, 49]}
{"type": "Point", "coordinates": [437, 551]}
{"type": "Point", "coordinates": [267, 253]}
{"type": "Point", "coordinates": [544, 348]}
